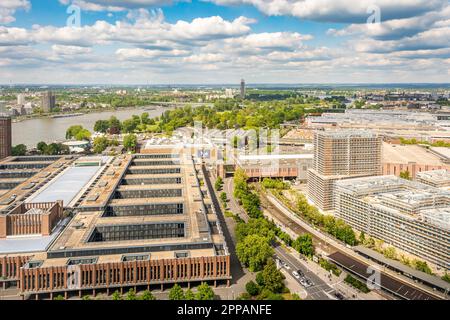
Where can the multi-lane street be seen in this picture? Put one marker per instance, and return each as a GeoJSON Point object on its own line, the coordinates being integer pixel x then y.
{"type": "Point", "coordinates": [319, 290]}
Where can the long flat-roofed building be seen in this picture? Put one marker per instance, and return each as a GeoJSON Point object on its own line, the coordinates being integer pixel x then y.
{"type": "Point", "coordinates": [341, 154]}
{"type": "Point", "coordinates": [414, 159]}
{"type": "Point", "coordinates": [435, 178]}
{"type": "Point", "coordinates": [409, 215]}
{"type": "Point", "coordinates": [146, 219]}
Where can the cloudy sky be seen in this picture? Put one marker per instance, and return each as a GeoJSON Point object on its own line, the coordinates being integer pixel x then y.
{"type": "Point", "coordinates": [222, 41]}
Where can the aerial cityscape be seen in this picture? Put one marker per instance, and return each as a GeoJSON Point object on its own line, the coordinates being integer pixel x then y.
{"type": "Point", "coordinates": [244, 150]}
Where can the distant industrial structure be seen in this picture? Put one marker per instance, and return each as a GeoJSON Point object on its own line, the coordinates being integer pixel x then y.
{"type": "Point", "coordinates": [48, 101]}
{"type": "Point", "coordinates": [242, 89]}
{"type": "Point", "coordinates": [5, 136]}
{"type": "Point", "coordinates": [338, 155]}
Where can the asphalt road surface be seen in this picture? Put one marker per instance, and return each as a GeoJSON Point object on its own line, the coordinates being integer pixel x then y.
{"type": "Point", "coordinates": [320, 290]}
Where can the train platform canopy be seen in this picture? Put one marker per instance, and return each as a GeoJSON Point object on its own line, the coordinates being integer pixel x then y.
{"type": "Point", "coordinates": [398, 266]}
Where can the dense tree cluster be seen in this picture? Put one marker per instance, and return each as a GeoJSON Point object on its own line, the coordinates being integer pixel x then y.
{"type": "Point", "coordinates": [274, 184]}
{"type": "Point", "coordinates": [204, 292]}
{"type": "Point", "coordinates": [19, 150]}
{"type": "Point", "coordinates": [77, 132]}
{"type": "Point", "coordinates": [269, 284]}
{"type": "Point", "coordinates": [249, 200]}
{"type": "Point", "coordinates": [336, 227]}
{"type": "Point", "coordinates": [101, 143]}
{"type": "Point", "coordinates": [52, 148]}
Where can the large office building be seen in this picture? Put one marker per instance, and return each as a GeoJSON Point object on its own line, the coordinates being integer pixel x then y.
{"type": "Point", "coordinates": [138, 221]}
{"type": "Point", "coordinates": [409, 215]}
{"type": "Point", "coordinates": [5, 136]}
{"type": "Point", "coordinates": [48, 101]}
{"type": "Point", "coordinates": [341, 155]}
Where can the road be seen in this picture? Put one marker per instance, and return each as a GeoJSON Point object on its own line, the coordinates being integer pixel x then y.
{"type": "Point", "coordinates": [233, 205]}
{"type": "Point", "coordinates": [239, 275]}
{"type": "Point", "coordinates": [320, 290]}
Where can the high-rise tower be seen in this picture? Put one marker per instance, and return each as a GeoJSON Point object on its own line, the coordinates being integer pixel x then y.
{"type": "Point", "coordinates": [341, 155]}
{"type": "Point", "coordinates": [242, 89]}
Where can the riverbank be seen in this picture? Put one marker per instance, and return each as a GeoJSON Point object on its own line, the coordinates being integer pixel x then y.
{"type": "Point", "coordinates": [81, 112]}
{"type": "Point", "coordinates": [31, 131]}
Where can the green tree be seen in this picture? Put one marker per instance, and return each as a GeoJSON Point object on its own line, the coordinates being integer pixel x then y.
{"type": "Point", "coordinates": [260, 226]}
{"type": "Point", "coordinates": [223, 198]}
{"type": "Point", "coordinates": [252, 288]}
{"type": "Point", "coordinates": [101, 126]}
{"type": "Point", "coordinates": [362, 237]}
{"type": "Point", "coordinates": [116, 295]}
{"type": "Point", "coordinates": [390, 253]}
{"type": "Point", "coordinates": [189, 295]}
{"type": "Point", "coordinates": [272, 277]}
{"type": "Point", "coordinates": [114, 125]}
{"type": "Point", "coordinates": [405, 175]}
{"type": "Point", "coordinates": [72, 131]}
{"type": "Point", "coordinates": [219, 184]}
{"type": "Point", "coordinates": [41, 147]}
{"type": "Point", "coordinates": [86, 297]}
{"type": "Point", "coordinates": [130, 142]}
{"type": "Point", "coordinates": [422, 266]}
{"type": "Point", "coordinates": [59, 297]}
{"type": "Point", "coordinates": [253, 251]}
{"type": "Point", "coordinates": [131, 295]}
{"type": "Point", "coordinates": [145, 118]}
{"type": "Point", "coordinates": [204, 292]}
{"type": "Point", "coordinates": [147, 295]}
{"type": "Point", "coordinates": [176, 293]}
{"type": "Point", "coordinates": [129, 126]}
{"type": "Point", "coordinates": [83, 134]}
{"type": "Point", "coordinates": [304, 244]}
{"type": "Point", "coordinates": [100, 144]}
{"type": "Point", "coordinates": [19, 150]}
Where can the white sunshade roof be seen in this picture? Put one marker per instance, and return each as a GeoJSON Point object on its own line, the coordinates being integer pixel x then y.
{"type": "Point", "coordinates": [66, 186]}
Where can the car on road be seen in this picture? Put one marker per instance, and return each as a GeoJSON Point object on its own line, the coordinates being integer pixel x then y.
{"type": "Point", "coordinates": [300, 272]}
{"type": "Point", "coordinates": [339, 296]}
{"type": "Point", "coordinates": [286, 266]}
{"type": "Point", "coordinates": [309, 282]}
{"type": "Point", "coordinates": [295, 274]}
{"type": "Point", "coordinates": [305, 282]}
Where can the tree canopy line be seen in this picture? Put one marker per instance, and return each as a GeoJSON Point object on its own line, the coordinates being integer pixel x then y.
{"type": "Point", "coordinates": [331, 225]}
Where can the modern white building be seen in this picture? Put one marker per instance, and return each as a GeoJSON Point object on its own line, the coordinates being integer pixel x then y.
{"type": "Point", "coordinates": [411, 216]}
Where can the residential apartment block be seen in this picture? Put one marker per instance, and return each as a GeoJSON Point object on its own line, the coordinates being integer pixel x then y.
{"type": "Point", "coordinates": [409, 215]}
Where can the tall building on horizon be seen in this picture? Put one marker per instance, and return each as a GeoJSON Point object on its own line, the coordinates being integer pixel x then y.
{"type": "Point", "coordinates": [242, 89]}
{"type": "Point", "coordinates": [48, 101]}
{"type": "Point", "coordinates": [338, 155]}
{"type": "Point", "coordinates": [5, 136]}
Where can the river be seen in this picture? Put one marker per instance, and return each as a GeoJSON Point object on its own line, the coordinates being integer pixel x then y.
{"type": "Point", "coordinates": [30, 132]}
